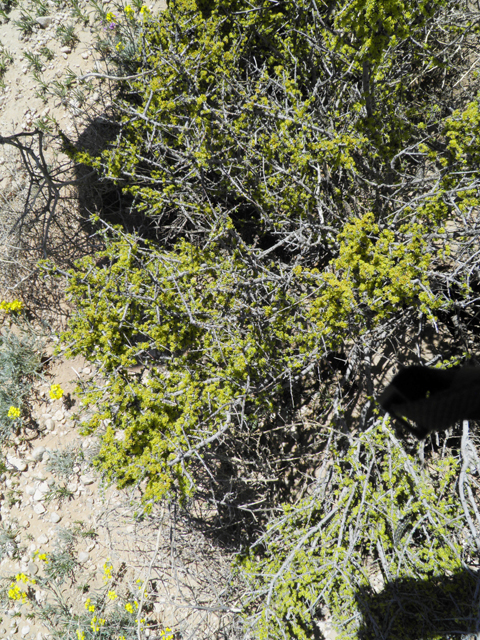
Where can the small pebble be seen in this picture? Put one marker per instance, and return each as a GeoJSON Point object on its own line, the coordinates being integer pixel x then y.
{"type": "Point", "coordinates": [83, 556]}
{"type": "Point", "coordinates": [39, 508]}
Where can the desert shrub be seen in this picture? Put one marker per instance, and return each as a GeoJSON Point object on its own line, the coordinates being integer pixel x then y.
{"type": "Point", "coordinates": [218, 344]}
{"type": "Point", "coordinates": [304, 198]}
{"type": "Point", "coordinates": [379, 542]}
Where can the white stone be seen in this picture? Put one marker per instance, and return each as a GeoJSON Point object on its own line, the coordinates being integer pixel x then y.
{"type": "Point", "coordinates": [30, 491]}
{"type": "Point", "coordinates": [120, 435]}
{"type": "Point", "coordinates": [25, 630]}
{"type": "Point", "coordinates": [54, 517]}
{"type": "Point", "coordinates": [87, 480]}
{"type": "Point", "coordinates": [37, 453]}
{"type": "Point", "coordinates": [49, 424]}
{"type": "Point", "coordinates": [44, 21]}
{"type": "Point", "coordinates": [83, 556]}
{"type": "Point", "coordinates": [16, 463]}
{"type": "Point", "coordinates": [39, 508]}
{"type": "Point", "coordinates": [41, 491]}
{"type": "Point", "coordinates": [43, 539]}
{"type": "Point", "coordinates": [59, 415]}
{"type": "Point", "coordinates": [65, 50]}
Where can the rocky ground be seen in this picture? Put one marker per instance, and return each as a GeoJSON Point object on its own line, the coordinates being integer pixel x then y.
{"type": "Point", "coordinates": [52, 502]}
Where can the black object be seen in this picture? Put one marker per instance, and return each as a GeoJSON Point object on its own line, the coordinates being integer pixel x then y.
{"type": "Point", "coordinates": [433, 398]}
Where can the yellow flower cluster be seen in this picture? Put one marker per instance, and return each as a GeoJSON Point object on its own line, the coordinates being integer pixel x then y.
{"type": "Point", "coordinates": [56, 392]}
{"type": "Point", "coordinates": [16, 592]}
{"type": "Point", "coordinates": [89, 606]}
{"type": "Point", "coordinates": [96, 623]}
{"type": "Point", "coordinates": [13, 412]}
{"type": "Point", "coordinates": [129, 12]}
{"type": "Point", "coordinates": [107, 571]}
{"type": "Point", "coordinates": [41, 556]}
{"type": "Point", "coordinates": [129, 607]}
{"type": "Point", "coordinates": [12, 307]}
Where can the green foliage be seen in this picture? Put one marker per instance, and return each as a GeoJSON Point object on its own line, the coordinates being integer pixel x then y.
{"type": "Point", "coordinates": [375, 520]}
{"type": "Point", "coordinates": [292, 266]}
{"type": "Point", "coordinates": [61, 462]}
{"type": "Point", "coordinates": [108, 612]}
{"type": "Point", "coordinates": [20, 360]}
{"type": "Point", "coordinates": [217, 343]}
{"type": "Point", "coordinates": [9, 546]}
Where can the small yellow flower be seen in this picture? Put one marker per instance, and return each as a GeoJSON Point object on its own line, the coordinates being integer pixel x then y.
{"type": "Point", "coordinates": [13, 413]}
{"type": "Point", "coordinates": [95, 627]}
{"type": "Point", "coordinates": [15, 592]}
{"type": "Point", "coordinates": [12, 307]}
{"type": "Point", "coordinates": [129, 607]}
{"type": "Point", "coordinates": [107, 571]}
{"type": "Point", "coordinates": [129, 12]}
{"type": "Point", "coordinates": [80, 634]}
{"type": "Point", "coordinates": [112, 595]}
{"type": "Point", "coordinates": [56, 392]}
{"type": "Point", "coordinates": [144, 11]}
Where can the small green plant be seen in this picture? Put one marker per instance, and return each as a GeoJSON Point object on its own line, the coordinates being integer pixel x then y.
{"type": "Point", "coordinates": [41, 7]}
{"type": "Point", "coordinates": [5, 7]}
{"type": "Point", "coordinates": [25, 24]}
{"type": "Point", "coordinates": [59, 492]}
{"type": "Point", "coordinates": [14, 497]}
{"type": "Point", "coordinates": [20, 359]}
{"type": "Point", "coordinates": [62, 461]}
{"type": "Point", "coordinates": [6, 59]}
{"type": "Point", "coordinates": [61, 565]}
{"type": "Point", "coordinates": [79, 12]}
{"type": "Point", "coordinates": [47, 53]}
{"type": "Point", "coordinates": [67, 35]}
{"type": "Point", "coordinates": [34, 61]}
{"type": "Point", "coordinates": [79, 529]}
{"type": "Point", "coordinates": [8, 540]}
{"type": "Point", "coordinates": [43, 86]}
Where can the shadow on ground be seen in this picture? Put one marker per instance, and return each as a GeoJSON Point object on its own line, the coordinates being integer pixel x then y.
{"type": "Point", "coordinates": [409, 609]}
